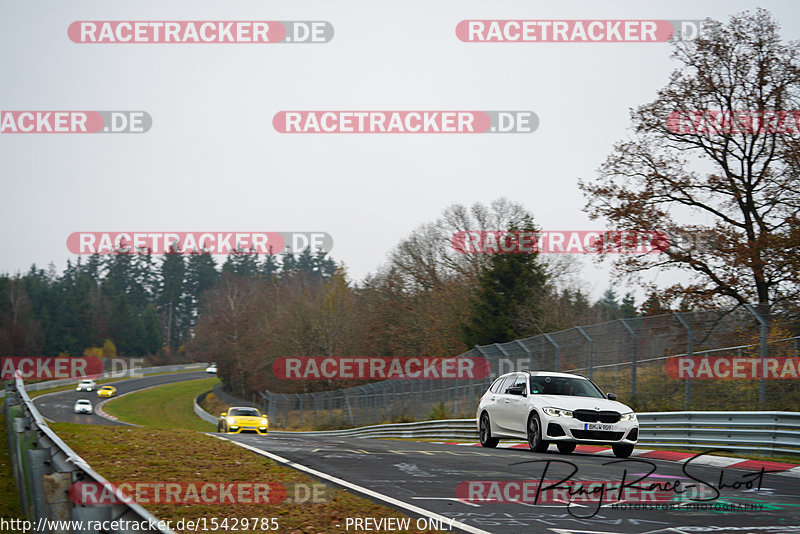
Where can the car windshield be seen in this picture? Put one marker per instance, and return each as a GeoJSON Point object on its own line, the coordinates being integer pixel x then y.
{"type": "Point", "coordinates": [83, 402]}
{"type": "Point", "coordinates": [560, 385]}
{"type": "Point", "coordinates": [252, 412]}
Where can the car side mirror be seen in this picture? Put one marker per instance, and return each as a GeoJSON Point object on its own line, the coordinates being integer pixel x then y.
{"type": "Point", "coordinates": [223, 414]}
{"type": "Point", "coordinates": [612, 396]}
{"type": "Point", "coordinates": [519, 390]}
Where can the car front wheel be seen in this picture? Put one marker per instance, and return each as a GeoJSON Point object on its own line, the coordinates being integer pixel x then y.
{"type": "Point", "coordinates": [535, 441]}
{"type": "Point", "coordinates": [622, 450]}
{"type": "Point", "coordinates": [486, 433]}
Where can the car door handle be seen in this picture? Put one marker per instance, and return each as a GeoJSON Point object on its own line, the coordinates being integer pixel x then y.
{"type": "Point", "coordinates": [508, 401]}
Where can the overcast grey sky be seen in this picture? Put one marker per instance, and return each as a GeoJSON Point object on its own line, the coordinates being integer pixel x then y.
{"type": "Point", "coordinates": [212, 160]}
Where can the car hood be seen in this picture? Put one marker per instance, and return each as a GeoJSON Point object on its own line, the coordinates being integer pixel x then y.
{"type": "Point", "coordinates": [247, 419]}
{"type": "Point", "coordinates": [568, 402]}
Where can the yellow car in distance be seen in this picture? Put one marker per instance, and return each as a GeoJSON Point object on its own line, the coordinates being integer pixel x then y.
{"type": "Point", "coordinates": [107, 391]}
{"type": "Point", "coordinates": [240, 419]}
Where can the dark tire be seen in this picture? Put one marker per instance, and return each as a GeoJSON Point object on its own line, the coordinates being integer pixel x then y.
{"type": "Point", "coordinates": [486, 432]}
{"type": "Point", "coordinates": [565, 447]}
{"type": "Point", "coordinates": [535, 441]}
{"type": "Point", "coordinates": [622, 450]}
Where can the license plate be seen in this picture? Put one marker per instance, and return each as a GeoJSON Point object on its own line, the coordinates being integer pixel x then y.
{"type": "Point", "coordinates": [249, 428]}
{"type": "Point", "coordinates": [597, 426]}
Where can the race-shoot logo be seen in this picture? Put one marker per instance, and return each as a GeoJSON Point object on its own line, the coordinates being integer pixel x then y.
{"type": "Point", "coordinates": [577, 31]}
{"type": "Point", "coordinates": [380, 368]}
{"type": "Point", "coordinates": [405, 122]}
{"type": "Point", "coordinates": [197, 242]}
{"type": "Point", "coordinates": [200, 31]}
{"type": "Point", "coordinates": [559, 242]}
{"type": "Point", "coordinates": [31, 122]}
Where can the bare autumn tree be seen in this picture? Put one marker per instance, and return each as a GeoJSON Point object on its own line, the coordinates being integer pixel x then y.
{"type": "Point", "coordinates": [736, 187]}
{"type": "Point", "coordinates": [427, 258]}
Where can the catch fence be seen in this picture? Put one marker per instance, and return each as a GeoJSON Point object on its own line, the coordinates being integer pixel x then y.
{"type": "Point", "coordinates": [638, 358]}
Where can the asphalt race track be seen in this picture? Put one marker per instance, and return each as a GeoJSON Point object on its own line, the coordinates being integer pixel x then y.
{"type": "Point", "coordinates": [59, 406]}
{"type": "Point", "coordinates": [426, 475]}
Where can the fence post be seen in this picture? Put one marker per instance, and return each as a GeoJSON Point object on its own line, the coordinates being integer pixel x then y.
{"type": "Point", "coordinates": [528, 352]}
{"type": "Point", "coordinates": [762, 384]}
{"type": "Point", "coordinates": [552, 341]}
{"type": "Point", "coordinates": [634, 354]}
{"type": "Point", "coordinates": [689, 351]}
{"type": "Point", "coordinates": [590, 339]}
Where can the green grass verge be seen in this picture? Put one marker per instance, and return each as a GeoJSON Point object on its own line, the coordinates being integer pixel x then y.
{"type": "Point", "coordinates": [168, 406]}
{"type": "Point", "coordinates": [9, 494]}
{"type": "Point", "coordinates": [130, 454]}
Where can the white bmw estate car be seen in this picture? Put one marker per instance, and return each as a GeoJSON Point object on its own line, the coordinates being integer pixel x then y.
{"type": "Point", "coordinates": [561, 408]}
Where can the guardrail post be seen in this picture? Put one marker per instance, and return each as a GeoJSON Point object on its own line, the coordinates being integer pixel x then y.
{"type": "Point", "coordinates": [300, 405]}
{"type": "Point", "coordinates": [634, 354]}
{"type": "Point", "coordinates": [762, 384]}
{"type": "Point", "coordinates": [590, 339]}
{"type": "Point", "coordinates": [689, 351]}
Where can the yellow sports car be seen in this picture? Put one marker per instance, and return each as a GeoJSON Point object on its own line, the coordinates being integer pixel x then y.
{"type": "Point", "coordinates": [240, 419]}
{"type": "Point", "coordinates": [107, 391]}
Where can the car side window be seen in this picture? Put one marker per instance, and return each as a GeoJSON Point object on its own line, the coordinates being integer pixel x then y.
{"type": "Point", "coordinates": [520, 380]}
{"type": "Point", "coordinates": [495, 388]}
{"type": "Point", "coordinates": [508, 383]}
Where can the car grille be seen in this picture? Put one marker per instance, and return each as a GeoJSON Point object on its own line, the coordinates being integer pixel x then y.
{"type": "Point", "coordinates": [593, 416]}
{"type": "Point", "coordinates": [601, 435]}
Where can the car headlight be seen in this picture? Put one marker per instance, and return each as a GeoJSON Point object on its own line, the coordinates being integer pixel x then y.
{"type": "Point", "coordinates": [630, 416]}
{"type": "Point", "coordinates": [231, 421]}
{"type": "Point", "coordinates": [264, 422]}
{"type": "Point", "coordinates": [557, 412]}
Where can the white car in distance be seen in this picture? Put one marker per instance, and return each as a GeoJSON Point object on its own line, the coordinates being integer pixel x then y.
{"type": "Point", "coordinates": [561, 408]}
{"type": "Point", "coordinates": [83, 406]}
{"type": "Point", "coordinates": [86, 385]}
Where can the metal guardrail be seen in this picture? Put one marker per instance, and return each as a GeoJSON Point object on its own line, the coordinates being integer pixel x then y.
{"type": "Point", "coordinates": [770, 432]}
{"type": "Point", "coordinates": [201, 413]}
{"type": "Point", "coordinates": [128, 373]}
{"type": "Point", "coordinates": [45, 468]}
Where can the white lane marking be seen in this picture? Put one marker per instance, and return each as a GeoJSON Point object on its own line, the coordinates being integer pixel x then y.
{"type": "Point", "coordinates": [374, 494]}
{"type": "Point", "coordinates": [446, 499]}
